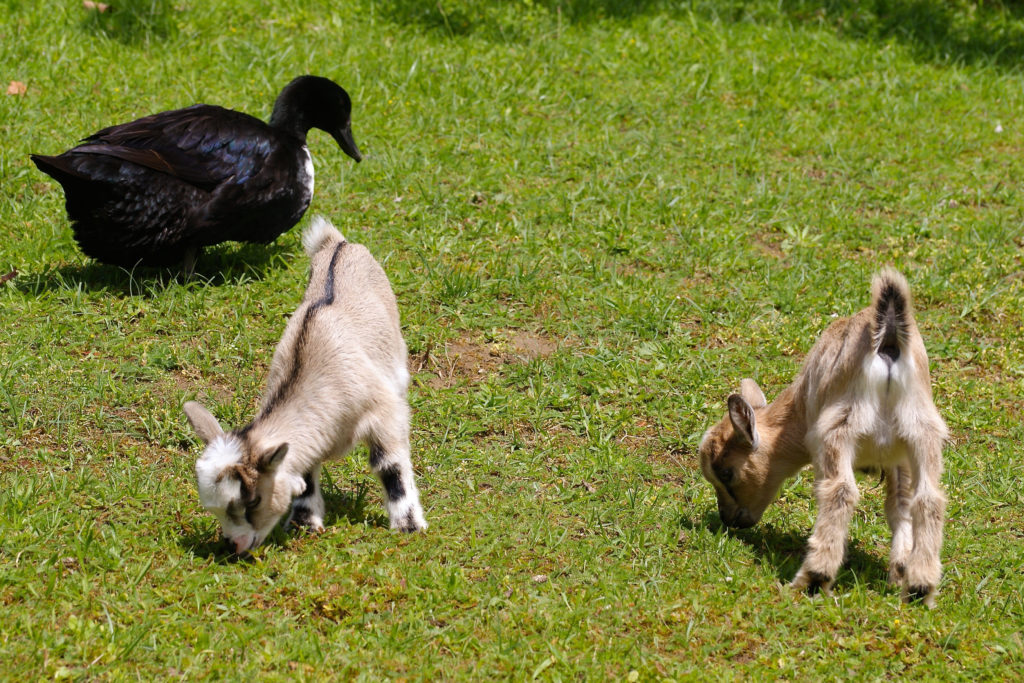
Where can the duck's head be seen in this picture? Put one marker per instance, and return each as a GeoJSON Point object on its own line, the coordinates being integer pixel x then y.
{"type": "Point", "coordinates": [316, 102]}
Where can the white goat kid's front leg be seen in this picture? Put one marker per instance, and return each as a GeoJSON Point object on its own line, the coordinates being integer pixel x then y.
{"type": "Point", "coordinates": [308, 508]}
{"type": "Point", "coordinates": [927, 513]}
{"type": "Point", "coordinates": [836, 491]}
{"type": "Point", "coordinates": [897, 511]}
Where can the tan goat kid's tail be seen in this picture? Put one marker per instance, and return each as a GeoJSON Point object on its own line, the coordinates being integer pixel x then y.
{"type": "Point", "coordinates": [894, 315]}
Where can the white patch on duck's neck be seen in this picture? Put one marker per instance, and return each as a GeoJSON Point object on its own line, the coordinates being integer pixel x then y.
{"type": "Point", "coordinates": [306, 174]}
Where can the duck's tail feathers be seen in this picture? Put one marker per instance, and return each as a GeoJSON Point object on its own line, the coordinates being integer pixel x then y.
{"type": "Point", "coordinates": [57, 168]}
{"type": "Point", "coordinates": [320, 233]}
{"type": "Point", "coordinates": [894, 316]}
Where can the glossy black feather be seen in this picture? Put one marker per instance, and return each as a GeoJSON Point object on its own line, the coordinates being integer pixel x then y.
{"type": "Point", "coordinates": [152, 190]}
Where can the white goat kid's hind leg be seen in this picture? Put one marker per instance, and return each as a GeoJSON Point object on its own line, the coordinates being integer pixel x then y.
{"type": "Point", "coordinates": [836, 490]}
{"type": "Point", "coordinates": [390, 460]}
{"type": "Point", "coordinates": [308, 508]}
{"type": "Point", "coordinates": [927, 513]}
{"type": "Point", "coordinates": [897, 511]}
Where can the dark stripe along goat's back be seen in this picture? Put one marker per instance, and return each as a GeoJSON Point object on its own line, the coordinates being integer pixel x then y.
{"type": "Point", "coordinates": [327, 299]}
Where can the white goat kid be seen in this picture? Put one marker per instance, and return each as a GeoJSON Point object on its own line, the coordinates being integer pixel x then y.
{"type": "Point", "coordinates": [338, 378]}
{"type": "Point", "coordinates": [862, 399]}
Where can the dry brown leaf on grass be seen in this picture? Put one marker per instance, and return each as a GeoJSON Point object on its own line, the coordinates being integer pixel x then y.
{"type": "Point", "coordinates": [10, 276]}
{"type": "Point", "coordinates": [98, 6]}
{"type": "Point", "coordinates": [16, 88]}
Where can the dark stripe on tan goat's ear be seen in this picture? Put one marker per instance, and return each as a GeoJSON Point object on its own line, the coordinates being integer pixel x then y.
{"type": "Point", "coordinates": [742, 417]}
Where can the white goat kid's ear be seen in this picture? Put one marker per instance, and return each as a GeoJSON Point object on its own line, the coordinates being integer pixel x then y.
{"type": "Point", "coordinates": [203, 421]}
{"type": "Point", "coordinates": [752, 393]}
{"type": "Point", "coordinates": [742, 417]}
{"type": "Point", "coordinates": [271, 459]}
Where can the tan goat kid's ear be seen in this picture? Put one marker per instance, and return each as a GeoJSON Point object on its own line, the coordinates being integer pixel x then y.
{"type": "Point", "coordinates": [752, 393]}
{"type": "Point", "coordinates": [203, 421]}
{"type": "Point", "coordinates": [742, 417]}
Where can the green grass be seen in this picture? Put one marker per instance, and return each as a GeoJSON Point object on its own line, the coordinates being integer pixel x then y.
{"type": "Point", "coordinates": [598, 216]}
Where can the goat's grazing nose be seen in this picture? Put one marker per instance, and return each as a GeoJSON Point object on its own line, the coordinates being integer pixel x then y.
{"type": "Point", "coordinates": [740, 519]}
{"type": "Point", "coordinates": [241, 544]}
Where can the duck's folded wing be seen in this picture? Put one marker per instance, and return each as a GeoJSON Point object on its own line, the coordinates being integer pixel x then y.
{"type": "Point", "coordinates": [202, 145]}
{"type": "Point", "coordinates": [180, 166]}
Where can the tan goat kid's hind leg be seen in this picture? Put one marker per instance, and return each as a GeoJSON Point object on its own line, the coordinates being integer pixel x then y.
{"type": "Point", "coordinates": [836, 490]}
{"type": "Point", "coordinates": [897, 511]}
{"type": "Point", "coordinates": [927, 513]}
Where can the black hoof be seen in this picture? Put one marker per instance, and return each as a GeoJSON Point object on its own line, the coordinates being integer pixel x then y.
{"type": "Point", "coordinates": [302, 517]}
{"type": "Point", "coordinates": [918, 593]}
{"type": "Point", "coordinates": [408, 525]}
{"type": "Point", "coordinates": [817, 582]}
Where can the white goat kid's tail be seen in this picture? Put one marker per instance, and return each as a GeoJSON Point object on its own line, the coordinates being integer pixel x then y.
{"type": "Point", "coordinates": [319, 233]}
{"type": "Point", "coordinates": [894, 316]}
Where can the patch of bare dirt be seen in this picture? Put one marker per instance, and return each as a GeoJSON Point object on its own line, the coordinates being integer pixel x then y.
{"type": "Point", "coordinates": [475, 359]}
{"type": "Point", "coordinates": [769, 245]}
{"type": "Point", "coordinates": [208, 389]}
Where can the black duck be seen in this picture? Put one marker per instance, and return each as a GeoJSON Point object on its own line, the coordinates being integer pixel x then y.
{"type": "Point", "coordinates": [155, 191]}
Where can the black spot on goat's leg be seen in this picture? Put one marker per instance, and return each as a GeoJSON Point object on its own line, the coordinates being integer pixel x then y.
{"type": "Point", "coordinates": [391, 477]}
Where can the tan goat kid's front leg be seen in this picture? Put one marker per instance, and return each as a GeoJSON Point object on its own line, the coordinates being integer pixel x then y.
{"type": "Point", "coordinates": [836, 490]}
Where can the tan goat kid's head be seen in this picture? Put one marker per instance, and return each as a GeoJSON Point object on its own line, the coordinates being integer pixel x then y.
{"type": "Point", "coordinates": [734, 458]}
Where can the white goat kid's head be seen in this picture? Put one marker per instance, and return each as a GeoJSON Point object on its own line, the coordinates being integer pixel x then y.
{"type": "Point", "coordinates": [728, 460]}
{"type": "Point", "coordinates": [236, 483]}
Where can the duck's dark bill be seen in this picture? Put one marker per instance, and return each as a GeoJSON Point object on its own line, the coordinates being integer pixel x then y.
{"type": "Point", "coordinates": [348, 143]}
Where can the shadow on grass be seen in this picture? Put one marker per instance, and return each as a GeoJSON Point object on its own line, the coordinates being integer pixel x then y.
{"type": "Point", "coordinates": [784, 552]}
{"type": "Point", "coordinates": [505, 22]}
{"type": "Point", "coordinates": [203, 543]}
{"type": "Point", "coordinates": [348, 505]}
{"type": "Point", "coordinates": [958, 31]}
{"type": "Point", "coordinates": [943, 31]}
{"type": "Point", "coordinates": [218, 266]}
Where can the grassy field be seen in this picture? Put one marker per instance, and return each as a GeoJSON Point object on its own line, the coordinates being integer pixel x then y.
{"type": "Point", "coordinates": [598, 216]}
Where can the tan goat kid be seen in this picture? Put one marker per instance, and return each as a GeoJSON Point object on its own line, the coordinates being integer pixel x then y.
{"type": "Point", "coordinates": [863, 399]}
